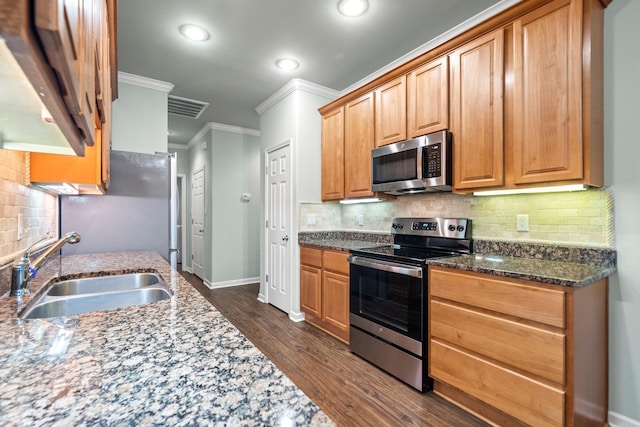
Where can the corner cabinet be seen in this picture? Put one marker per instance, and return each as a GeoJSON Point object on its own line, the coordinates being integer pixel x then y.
{"type": "Point", "coordinates": [98, 88]}
{"type": "Point", "coordinates": [517, 352]}
{"type": "Point", "coordinates": [477, 80]}
{"type": "Point", "coordinates": [324, 290]}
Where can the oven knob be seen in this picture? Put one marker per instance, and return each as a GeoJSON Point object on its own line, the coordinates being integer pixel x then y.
{"type": "Point", "coordinates": [400, 226]}
{"type": "Point", "coordinates": [452, 227]}
{"type": "Point", "coordinates": [461, 228]}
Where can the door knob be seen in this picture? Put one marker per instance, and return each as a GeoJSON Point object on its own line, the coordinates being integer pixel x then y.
{"type": "Point", "coordinates": [285, 239]}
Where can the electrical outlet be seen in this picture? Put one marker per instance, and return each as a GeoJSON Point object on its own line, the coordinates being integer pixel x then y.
{"type": "Point", "coordinates": [20, 226]}
{"type": "Point", "coordinates": [360, 220]}
{"type": "Point", "coordinates": [522, 222]}
{"type": "Point", "coordinates": [311, 220]}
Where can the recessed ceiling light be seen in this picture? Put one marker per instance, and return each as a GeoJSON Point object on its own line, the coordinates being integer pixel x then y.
{"type": "Point", "coordinates": [353, 7]}
{"type": "Point", "coordinates": [193, 32]}
{"type": "Point", "coordinates": [287, 64]}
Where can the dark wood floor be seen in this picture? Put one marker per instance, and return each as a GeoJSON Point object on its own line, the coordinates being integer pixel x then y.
{"type": "Point", "coordinates": [347, 388]}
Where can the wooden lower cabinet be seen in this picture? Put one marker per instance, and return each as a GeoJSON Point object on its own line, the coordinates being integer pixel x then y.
{"type": "Point", "coordinates": [517, 352]}
{"type": "Point", "coordinates": [324, 290]}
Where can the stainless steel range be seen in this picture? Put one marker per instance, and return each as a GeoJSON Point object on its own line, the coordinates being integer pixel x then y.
{"type": "Point", "coordinates": [388, 290]}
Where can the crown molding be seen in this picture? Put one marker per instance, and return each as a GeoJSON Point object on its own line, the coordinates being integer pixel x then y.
{"type": "Point", "coordinates": [177, 146]}
{"type": "Point", "coordinates": [435, 42]}
{"type": "Point", "coordinates": [141, 81]}
{"type": "Point", "coordinates": [222, 127]}
{"type": "Point", "coordinates": [292, 86]}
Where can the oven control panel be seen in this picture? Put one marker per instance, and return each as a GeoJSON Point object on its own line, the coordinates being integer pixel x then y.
{"type": "Point", "coordinates": [453, 228]}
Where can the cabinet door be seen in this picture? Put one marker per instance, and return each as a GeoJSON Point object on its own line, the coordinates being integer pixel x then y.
{"type": "Point", "coordinates": [66, 30]}
{"type": "Point", "coordinates": [333, 155]}
{"type": "Point", "coordinates": [359, 141]}
{"type": "Point", "coordinates": [548, 141]}
{"type": "Point", "coordinates": [477, 112]}
{"type": "Point", "coordinates": [335, 300]}
{"type": "Point", "coordinates": [391, 112]}
{"type": "Point", "coordinates": [311, 290]}
{"type": "Point", "coordinates": [428, 98]}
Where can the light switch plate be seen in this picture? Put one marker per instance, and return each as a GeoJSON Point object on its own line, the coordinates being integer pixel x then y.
{"type": "Point", "coordinates": [20, 226]}
{"type": "Point", "coordinates": [360, 219]}
{"type": "Point", "coordinates": [522, 222]}
{"type": "Point", "coordinates": [311, 220]}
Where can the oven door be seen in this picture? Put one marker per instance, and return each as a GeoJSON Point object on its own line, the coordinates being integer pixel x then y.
{"type": "Point", "coordinates": [388, 295]}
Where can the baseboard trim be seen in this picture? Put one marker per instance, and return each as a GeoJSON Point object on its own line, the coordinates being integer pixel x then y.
{"type": "Point", "coordinates": [296, 316]}
{"type": "Point", "coordinates": [262, 298]}
{"type": "Point", "coordinates": [230, 283]}
{"type": "Point", "coordinates": [619, 420]}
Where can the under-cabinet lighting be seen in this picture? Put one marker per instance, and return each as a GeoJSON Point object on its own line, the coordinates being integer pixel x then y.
{"type": "Point", "coordinates": [556, 189]}
{"type": "Point", "coordinates": [366, 200]}
{"type": "Point", "coordinates": [58, 188]}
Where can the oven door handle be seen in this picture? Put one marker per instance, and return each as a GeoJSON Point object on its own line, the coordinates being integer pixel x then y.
{"type": "Point", "coordinates": [391, 267]}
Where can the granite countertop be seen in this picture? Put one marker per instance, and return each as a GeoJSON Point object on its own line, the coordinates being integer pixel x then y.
{"type": "Point", "coordinates": [554, 272]}
{"type": "Point", "coordinates": [173, 362]}
{"type": "Point", "coordinates": [546, 263]}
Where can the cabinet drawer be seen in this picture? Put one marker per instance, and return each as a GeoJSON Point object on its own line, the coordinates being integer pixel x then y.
{"type": "Point", "coordinates": [521, 397]}
{"type": "Point", "coordinates": [531, 349]}
{"type": "Point", "coordinates": [508, 296]}
{"type": "Point", "coordinates": [336, 261]}
{"type": "Point", "coordinates": [311, 256]}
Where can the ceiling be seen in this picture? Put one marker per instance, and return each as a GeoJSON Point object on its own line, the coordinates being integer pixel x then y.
{"type": "Point", "coordinates": [235, 69]}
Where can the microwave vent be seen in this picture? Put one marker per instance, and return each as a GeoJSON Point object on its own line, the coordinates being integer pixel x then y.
{"type": "Point", "coordinates": [186, 107]}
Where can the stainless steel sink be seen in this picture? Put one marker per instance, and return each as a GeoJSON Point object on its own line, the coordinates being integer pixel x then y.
{"type": "Point", "coordinates": [86, 295]}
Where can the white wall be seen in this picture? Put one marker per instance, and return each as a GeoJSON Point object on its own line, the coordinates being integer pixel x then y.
{"type": "Point", "coordinates": [235, 239]}
{"type": "Point", "coordinates": [622, 153]}
{"type": "Point", "coordinates": [232, 167]}
{"type": "Point", "coordinates": [140, 120]}
{"type": "Point", "coordinates": [294, 116]}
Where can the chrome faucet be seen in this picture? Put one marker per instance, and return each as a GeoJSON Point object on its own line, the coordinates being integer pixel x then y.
{"type": "Point", "coordinates": [24, 270]}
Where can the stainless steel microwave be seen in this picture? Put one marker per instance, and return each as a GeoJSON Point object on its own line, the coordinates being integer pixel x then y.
{"type": "Point", "coordinates": [418, 165]}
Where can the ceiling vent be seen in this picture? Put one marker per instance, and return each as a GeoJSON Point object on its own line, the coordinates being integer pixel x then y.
{"type": "Point", "coordinates": [186, 107]}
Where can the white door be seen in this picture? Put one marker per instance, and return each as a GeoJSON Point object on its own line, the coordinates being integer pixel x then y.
{"type": "Point", "coordinates": [197, 223]}
{"type": "Point", "coordinates": [278, 227]}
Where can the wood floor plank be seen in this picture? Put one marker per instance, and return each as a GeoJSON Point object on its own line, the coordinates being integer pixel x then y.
{"type": "Point", "coordinates": [350, 390]}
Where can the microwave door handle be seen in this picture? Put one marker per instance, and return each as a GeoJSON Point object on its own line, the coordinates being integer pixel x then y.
{"type": "Point", "coordinates": [391, 267]}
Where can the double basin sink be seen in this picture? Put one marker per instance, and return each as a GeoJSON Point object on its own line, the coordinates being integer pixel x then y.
{"type": "Point", "coordinates": [85, 295]}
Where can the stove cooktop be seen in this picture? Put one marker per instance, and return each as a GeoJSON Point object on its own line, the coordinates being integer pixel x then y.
{"type": "Point", "coordinates": [396, 252]}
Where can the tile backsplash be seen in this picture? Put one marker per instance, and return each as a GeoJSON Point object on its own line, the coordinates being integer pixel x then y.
{"type": "Point", "coordinates": [581, 218]}
{"type": "Point", "coordinates": [39, 209]}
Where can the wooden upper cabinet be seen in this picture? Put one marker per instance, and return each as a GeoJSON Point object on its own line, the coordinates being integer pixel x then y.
{"type": "Point", "coordinates": [477, 76]}
{"type": "Point", "coordinates": [66, 29]}
{"type": "Point", "coordinates": [548, 137]}
{"type": "Point", "coordinates": [391, 112]}
{"type": "Point", "coordinates": [428, 98]}
{"type": "Point", "coordinates": [333, 155]}
{"type": "Point", "coordinates": [94, 75]}
{"type": "Point", "coordinates": [358, 143]}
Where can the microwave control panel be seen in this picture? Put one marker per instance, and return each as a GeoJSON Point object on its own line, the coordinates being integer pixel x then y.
{"type": "Point", "coordinates": [434, 160]}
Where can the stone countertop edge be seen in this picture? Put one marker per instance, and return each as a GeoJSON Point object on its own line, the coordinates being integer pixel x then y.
{"type": "Point", "coordinates": [178, 361]}
{"type": "Point", "coordinates": [546, 263]}
{"type": "Point", "coordinates": [561, 273]}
